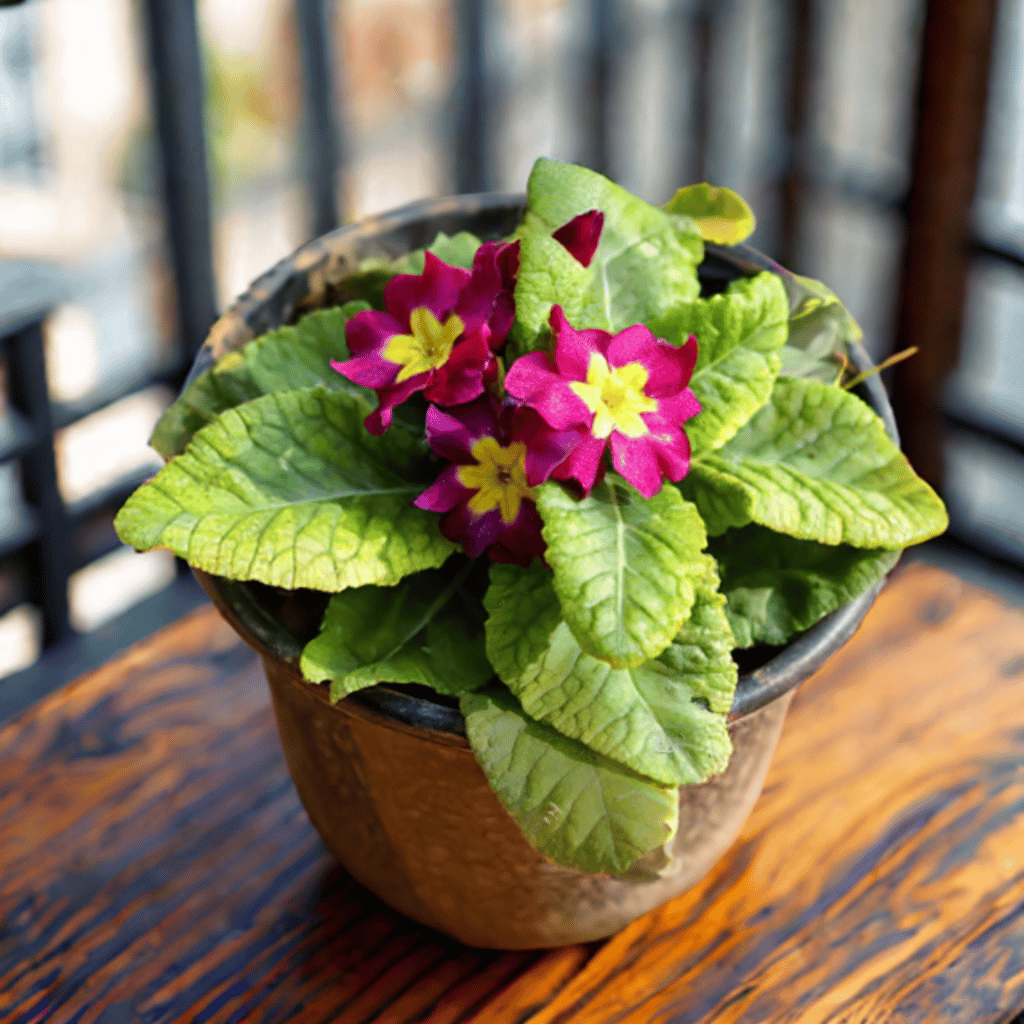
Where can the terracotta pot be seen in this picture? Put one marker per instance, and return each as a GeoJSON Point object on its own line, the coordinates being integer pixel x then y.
{"type": "Point", "coordinates": [389, 780]}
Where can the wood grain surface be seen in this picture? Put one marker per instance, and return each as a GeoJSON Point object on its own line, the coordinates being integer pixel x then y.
{"type": "Point", "coordinates": [155, 864]}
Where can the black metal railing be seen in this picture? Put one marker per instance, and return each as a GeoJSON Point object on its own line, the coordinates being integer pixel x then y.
{"type": "Point", "coordinates": [52, 540]}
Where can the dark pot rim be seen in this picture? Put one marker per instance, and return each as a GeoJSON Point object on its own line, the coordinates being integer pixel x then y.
{"type": "Point", "coordinates": [300, 282]}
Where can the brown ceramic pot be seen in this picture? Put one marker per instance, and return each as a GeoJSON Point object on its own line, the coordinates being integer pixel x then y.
{"type": "Point", "coordinates": [389, 780]}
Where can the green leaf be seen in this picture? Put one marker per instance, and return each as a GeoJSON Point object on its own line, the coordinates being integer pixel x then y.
{"type": "Point", "coordinates": [456, 250]}
{"type": "Point", "coordinates": [739, 334]}
{"type": "Point", "coordinates": [623, 566]}
{"type": "Point", "coordinates": [291, 490]}
{"type": "Point", "coordinates": [577, 807]}
{"type": "Point", "coordinates": [820, 330]}
{"type": "Point", "coordinates": [287, 359]}
{"type": "Point", "coordinates": [644, 265]}
{"type": "Point", "coordinates": [664, 718]}
{"type": "Point", "coordinates": [523, 612]}
{"type": "Point", "coordinates": [720, 214]}
{"type": "Point", "coordinates": [413, 632]}
{"type": "Point", "coordinates": [816, 463]}
{"type": "Point", "coordinates": [777, 586]}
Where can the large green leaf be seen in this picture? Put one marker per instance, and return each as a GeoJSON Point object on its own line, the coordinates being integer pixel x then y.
{"type": "Point", "coordinates": [820, 330]}
{"type": "Point", "coordinates": [291, 490]}
{"type": "Point", "coordinates": [623, 566]}
{"type": "Point", "coordinates": [573, 805]}
{"type": "Point", "coordinates": [645, 263]}
{"type": "Point", "coordinates": [523, 612]}
{"type": "Point", "coordinates": [413, 632]}
{"type": "Point", "coordinates": [720, 214]}
{"type": "Point", "coordinates": [287, 359]}
{"type": "Point", "coordinates": [816, 463]}
{"type": "Point", "coordinates": [777, 586]}
{"type": "Point", "coordinates": [664, 718]}
{"type": "Point", "coordinates": [739, 334]}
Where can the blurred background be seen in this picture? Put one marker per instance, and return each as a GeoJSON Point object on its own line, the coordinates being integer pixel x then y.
{"type": "Point", "coordinates": [157, 155]}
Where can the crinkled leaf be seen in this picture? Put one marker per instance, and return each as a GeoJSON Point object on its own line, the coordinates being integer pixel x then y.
{"type": "Point", "coordinates": [720, 214]}
{"type": "Point", "coordinates": [664, 718]}
{"type": "Point", "coordinates": [820, 330]}
{"type": "Point", "coordinates": [523, 612]}
{"type": "Point", "coordinates": [739, 334]}
{"type": "Point", "coordinates": [291, 490]}
{"type": "Point", "coordinates": [575, 806]}
{"type": "Point", "coordinates": [700, 655]}
{"type": "Point", "coordinates": [413, 632]}
{"type": "Point", "coordinates": [777, 586]}
{"type": "Point", "coordinates": [623, 566]}
{"type": "Point", "coordinates": [287, 359]}
{"type": "Point", "coordinates": [644, 265]}
{"type": "Point", "coordinates": [816, 463]}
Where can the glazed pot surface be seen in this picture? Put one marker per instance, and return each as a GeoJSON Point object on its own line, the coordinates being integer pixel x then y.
{"type": "Point", "coordinates": [411, 816]}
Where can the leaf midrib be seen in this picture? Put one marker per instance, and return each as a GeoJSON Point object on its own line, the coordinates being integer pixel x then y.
{"type": "Point", "coordinates": [620, 573]}
{"type": "Point", "coordinates": [332, 496]}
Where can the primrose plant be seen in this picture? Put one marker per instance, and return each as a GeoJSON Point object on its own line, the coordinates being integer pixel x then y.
{"type": "Point", "coordinates": [546, 477]}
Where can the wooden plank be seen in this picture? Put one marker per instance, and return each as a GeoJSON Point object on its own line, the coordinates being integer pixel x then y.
{"type": "Point", "coordinates": [155, 864]}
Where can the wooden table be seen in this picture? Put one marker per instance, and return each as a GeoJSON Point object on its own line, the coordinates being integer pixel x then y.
{"type": "Point", "coordinates": [155, 863]}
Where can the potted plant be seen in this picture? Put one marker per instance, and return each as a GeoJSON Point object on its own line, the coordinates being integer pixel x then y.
{"type": "Point", "coordinates": [504, 516]}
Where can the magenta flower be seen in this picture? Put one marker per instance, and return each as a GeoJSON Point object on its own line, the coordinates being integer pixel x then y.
{"type": "Point", "coordinates": [438, 333]}
{"type": "Point", "coordinates": [627, 390]}
{"type": "Point", "coordinates": [581, 235]}
{"type": "Point", "coordinates": [500, 453]}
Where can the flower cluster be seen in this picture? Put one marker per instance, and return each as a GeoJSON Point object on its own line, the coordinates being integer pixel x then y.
{"type": "Point", "coordinates": [552, 415]}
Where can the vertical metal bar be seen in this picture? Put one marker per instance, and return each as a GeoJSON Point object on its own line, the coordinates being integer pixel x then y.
{"type": "Point", "coordinates": [48, 583]}
{"type": "Point", "coordinates": [953, 89]}
{"type": "Point", "coordinates": [599, 81]}
{"type": "Point", "coordinates": [471, 149]}
{"type": "Point", "coordinates": [177, 84]}
{"type": "Point", "coordinates": [322, 145]}
{"type": "Point", "coordinates": [797, 110]}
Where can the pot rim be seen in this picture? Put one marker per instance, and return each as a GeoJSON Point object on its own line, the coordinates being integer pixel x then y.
{"type": "Point", "coordinates": [333, 256]}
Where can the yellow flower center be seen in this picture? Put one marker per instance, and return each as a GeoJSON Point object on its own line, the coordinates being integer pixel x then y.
{"type": "Point", "coordinates": [616, 397]}
{"type": "Point", "coordinates": [499, 478]}
{"type": "Point", "coordinates": [429, 345]}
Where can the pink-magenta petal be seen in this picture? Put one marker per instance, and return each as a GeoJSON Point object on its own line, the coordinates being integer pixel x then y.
{"type": "Point", "coordinates": [674, 409]}
{"type": "Point", "coordinates": [689, 351]}
{"type": "Point", "coordinates": [666, 365]}
{"type": "Point", "coordinates": [460, 379]}
{"type": "Point", "coordinates": [520, 542]}
{"type": "Point", "coordinates": [476, 303]}
{"type": "Point", "coordinates": [395, 394]}
{"type": "Point", "coordinates": [573, 348]}
{"type": "Point", "coordinates": [437, 288]}
{"type": "Point", "coordinates": [378, 421]}
{"type": "Point", "coordinates": [583, 463]}
{"type": "Point", "coordinates": [475, 533]}
{"type": "Point", "coordinates": [444, 493]}
{"type": "Point", "coordinates": [534, 380]}
{"type": "Point", "coordinates": [370, 330]}
{"type": "Point", "coordinates": [581, 235]}
{"type": "Point", "coordinates": [508, 264]}
{"type": "Point", "coordinates": [638, 463]}
{"type": "Point", "coordinates": [545, 447]}
{"type": "Point", "coordinates": [452, 433]}
{"type": "Point", "coordinates": [369, 370]}
{"type": "Point", "coordinates": [652, 456]}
